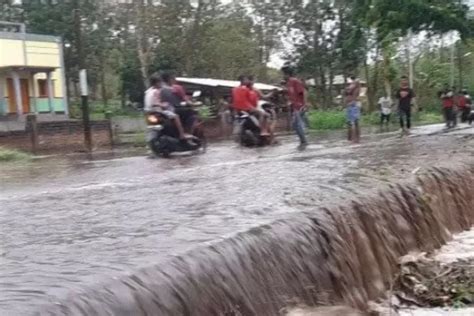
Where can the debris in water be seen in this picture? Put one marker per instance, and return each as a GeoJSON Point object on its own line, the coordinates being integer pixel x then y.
{"type": "Point", "coordinates": [428, 283]}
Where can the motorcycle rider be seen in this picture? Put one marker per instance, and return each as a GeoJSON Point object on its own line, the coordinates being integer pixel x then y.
{"type": "Point", "coordinates": [255, 96]}
{"type": "Point", "coordinates": [246, 100]}
{"type": "Point", "coordinates": [154, 102]}
{"type": "Point", "coordinates": [448, 102]}
{"type": "Point", "coordinates": [169, 100]}
{"type": "Point", "coordinates": [465, 105]}
{"type": "Point", "coordinates": [187, 114]}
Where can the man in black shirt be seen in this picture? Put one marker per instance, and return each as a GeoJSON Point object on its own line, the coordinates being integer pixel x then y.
{"type": "Point", "coordinates": [405, 96]}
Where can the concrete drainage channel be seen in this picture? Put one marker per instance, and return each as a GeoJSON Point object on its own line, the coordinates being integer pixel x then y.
{"type": "Point", "coordinates": [344, 255]}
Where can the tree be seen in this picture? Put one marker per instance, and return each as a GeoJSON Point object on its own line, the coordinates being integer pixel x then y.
{"type": "Point", "coordinates": [230, 49]}
{"type": "Point", "coordinates": [393, 19]}
{"type": "Point", "coordinates": [329, 42]}
{"type": "Point", "coordinates": [268, 19]}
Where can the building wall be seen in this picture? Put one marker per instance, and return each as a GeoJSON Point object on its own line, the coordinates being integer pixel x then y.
{"type": "Point", "coordinates": [11, 53]}
{"type": "Point", "coordinates": [43, 54]}
{"type": "Point", "coordinates": [41, 102]}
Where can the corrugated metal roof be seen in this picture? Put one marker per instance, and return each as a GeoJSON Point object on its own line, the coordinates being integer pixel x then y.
{"type": "Point", "coordinates": [222, 83]}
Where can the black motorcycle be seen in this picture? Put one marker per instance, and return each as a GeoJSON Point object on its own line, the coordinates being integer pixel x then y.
{"type": "Point", "coordinates": [249, 133]}
{"type": "Point", "coordinates": [163, 136]}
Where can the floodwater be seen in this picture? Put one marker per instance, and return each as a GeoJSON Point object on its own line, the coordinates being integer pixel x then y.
{"type": "Point", "coordinates": [67, 223]}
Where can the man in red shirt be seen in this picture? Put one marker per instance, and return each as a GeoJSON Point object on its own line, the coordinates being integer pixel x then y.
{"type": "Point", "coordinates": [297, 101]}
{"type": "Point", "coordinates": [246, 100]}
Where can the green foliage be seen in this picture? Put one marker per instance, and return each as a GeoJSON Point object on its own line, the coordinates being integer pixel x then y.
{"type": "Point", "coordinates": [125, 43]}
{"type": "Point", "coordinates": [230, 50]}
{"type": "Point", "coordinates": [205, 112]}
{"type": "Point", "coordinates": [327, 120]}
{"type": "Point", "coordinates": [436, 16]}
{"type": "Point", "coordinates": [11, 155]}
{"type": "Point", "coordinates": [336, 119]}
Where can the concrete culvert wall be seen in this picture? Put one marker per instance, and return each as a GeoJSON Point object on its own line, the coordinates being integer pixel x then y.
{"type": "Point", "coordinates": [344, 255]}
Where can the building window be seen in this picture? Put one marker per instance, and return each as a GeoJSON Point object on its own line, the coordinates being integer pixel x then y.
{"type": "Point", "coordinates": [43, 88]}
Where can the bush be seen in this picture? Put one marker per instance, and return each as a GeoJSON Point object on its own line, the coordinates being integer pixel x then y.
{"type": "Point", "coordinates": [9, 155]}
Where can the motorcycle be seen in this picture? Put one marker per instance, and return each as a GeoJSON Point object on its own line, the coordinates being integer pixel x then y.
{"type": "Point", "coordinates": [249, 131]}
{"type": "Point", "coordinates": [163, 136]}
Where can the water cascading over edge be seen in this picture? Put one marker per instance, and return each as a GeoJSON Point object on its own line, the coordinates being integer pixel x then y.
{"type": "Point", "coordinates": [341, 255]}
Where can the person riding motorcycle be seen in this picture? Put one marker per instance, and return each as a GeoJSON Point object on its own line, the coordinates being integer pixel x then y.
{"type": "Point", "coordinates": [256, 97]}
{"type": "Point", "coordinates": [154, 101]}
{"type": "Point", "coordinates": [246, 100]}
{"type": "Point", "coordinates": [189, 116]}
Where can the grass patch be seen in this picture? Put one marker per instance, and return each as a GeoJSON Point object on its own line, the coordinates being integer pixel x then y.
{"type": "Point", "coordinates": [11, 155]}
{"type": "Point", "coordinates": [336, 119]}
{"type": "Point", "coordinates": [424, 118]}
{"type": "Point", "coordinates": [327, 120]}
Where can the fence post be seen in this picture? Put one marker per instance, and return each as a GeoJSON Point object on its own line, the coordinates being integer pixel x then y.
{"type": "Point", "coordinates": [32, 126]}
{"type": "Point", "coordinates": [110, 125]}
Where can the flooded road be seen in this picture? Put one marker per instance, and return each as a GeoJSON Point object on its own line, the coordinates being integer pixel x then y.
{"type": "Point", "coordinates": [69, 223]}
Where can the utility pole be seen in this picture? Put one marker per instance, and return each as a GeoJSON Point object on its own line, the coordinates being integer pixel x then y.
{"type": "Point", "coordinates": [83, 78]}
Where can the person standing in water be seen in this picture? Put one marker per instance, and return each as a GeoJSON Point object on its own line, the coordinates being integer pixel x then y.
{"type": "Point", "coordinates": [385, 103]}
{"type": "Point", "coordinates": [297, 101]}
{"type": "Point", "coordinates": [353, 110]}
{"type": "Point", "coordinates": [405, 96]}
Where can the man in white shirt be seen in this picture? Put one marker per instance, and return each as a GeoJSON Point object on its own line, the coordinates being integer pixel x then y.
{"type": "Point", "coordinates": [385, 103]}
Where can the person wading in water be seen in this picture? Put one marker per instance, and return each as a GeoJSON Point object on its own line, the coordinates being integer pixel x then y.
{"type": "Point", "coordinates": [405, 96]}
{"type": "Point", "coordinates": [353, 110]}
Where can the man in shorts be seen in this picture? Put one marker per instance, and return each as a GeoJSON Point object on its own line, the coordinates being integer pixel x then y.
{"type": "Point", "coordinates": [353, 110]}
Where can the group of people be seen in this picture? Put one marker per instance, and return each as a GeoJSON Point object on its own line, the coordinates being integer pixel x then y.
{"type": "Point", "coordinates": [405, 97]}
{"type": "Point", "coordinates": [451, 103]}
{"type": "Point", "coordinates": [166, 94]}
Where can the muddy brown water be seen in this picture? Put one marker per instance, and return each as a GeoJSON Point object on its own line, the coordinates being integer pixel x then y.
{"type": "Point", "coordinates": [75, 234]}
